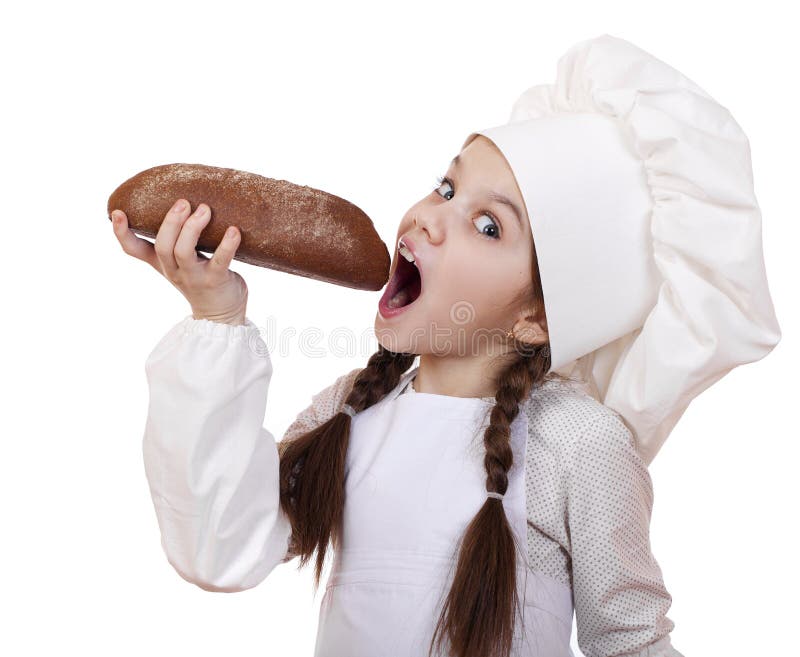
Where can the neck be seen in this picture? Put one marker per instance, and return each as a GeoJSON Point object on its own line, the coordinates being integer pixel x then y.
{"type": "Point", "coordinates": [458, 376]}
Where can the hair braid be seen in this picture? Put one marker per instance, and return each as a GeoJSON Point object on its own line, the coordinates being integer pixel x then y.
{"type": "Point", "coordinates": [478, 614]}
{"type": "Point", "coordinates": [312, 466]}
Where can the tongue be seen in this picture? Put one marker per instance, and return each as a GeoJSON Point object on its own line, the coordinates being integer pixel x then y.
{"type": "Point", "coordinates": [402, 298]}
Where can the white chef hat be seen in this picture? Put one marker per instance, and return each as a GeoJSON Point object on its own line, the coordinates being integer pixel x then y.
{"type": "Point", "coordinates": [639, 189]}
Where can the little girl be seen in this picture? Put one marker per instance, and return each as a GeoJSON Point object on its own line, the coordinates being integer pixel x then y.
{"type": "Point", "coordinates": [475, 499]}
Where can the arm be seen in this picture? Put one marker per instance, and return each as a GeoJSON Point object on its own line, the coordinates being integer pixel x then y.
{"type": "Point", "coordinates": [620, 598]}
{"type": "Point", "coordinates": [211, 467]}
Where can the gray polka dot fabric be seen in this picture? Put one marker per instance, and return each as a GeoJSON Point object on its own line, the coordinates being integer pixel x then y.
{"type": "Point", "coordinates": [589, 503]}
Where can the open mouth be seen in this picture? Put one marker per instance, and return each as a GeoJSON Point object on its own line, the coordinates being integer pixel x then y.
{"type": "Point", "coordinates": [404, 288]}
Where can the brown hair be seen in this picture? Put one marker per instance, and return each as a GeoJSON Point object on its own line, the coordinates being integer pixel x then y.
{"type": "Point", "coordinates": [478, 614]}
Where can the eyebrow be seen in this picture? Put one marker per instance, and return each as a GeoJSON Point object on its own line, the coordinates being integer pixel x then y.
{"type": "Point", "coordinates": [498, 198]}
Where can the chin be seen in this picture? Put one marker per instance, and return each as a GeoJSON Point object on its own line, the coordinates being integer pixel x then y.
{"type": "Point", "coordinates": [393, 334]}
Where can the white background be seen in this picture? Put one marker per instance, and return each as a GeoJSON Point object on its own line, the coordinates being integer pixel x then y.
{"type": "Point", "coordinates": [368, 101]}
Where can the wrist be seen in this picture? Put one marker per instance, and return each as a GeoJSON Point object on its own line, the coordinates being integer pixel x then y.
{"type": "Point", "coordinates": [235, 320]}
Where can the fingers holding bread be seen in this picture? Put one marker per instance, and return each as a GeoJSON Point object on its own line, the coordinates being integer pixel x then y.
{"type": "Point", "coordinates": [225, 252]}
{"type": "Point", "coordinates": [131, 244]}
{"type": "Point", "coordinates": [185, 251]}
{"type": "Point", "coordinates": [167, 237]}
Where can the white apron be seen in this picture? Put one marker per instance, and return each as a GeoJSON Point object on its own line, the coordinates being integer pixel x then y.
{"type": "Point", "coordinates": [414, 480]}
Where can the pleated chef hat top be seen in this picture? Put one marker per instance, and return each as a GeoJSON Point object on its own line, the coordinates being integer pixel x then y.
{"type": "Point", "coordinates": [639, 189]}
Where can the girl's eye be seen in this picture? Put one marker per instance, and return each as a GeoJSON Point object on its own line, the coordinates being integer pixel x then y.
{"type": "Point", "coordinates": [440, 180]}
{"type": "Point", "coordinates": [492, 225]}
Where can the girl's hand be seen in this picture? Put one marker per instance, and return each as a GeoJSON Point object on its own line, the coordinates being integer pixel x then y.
{"type": "Point", "coordinates": [212, 290]}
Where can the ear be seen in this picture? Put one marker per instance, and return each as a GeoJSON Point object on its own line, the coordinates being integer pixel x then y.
{"type": "Point", "coordinates": [531, 327]}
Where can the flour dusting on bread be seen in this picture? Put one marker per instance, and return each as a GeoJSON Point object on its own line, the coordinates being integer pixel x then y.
{"type": "Point", "coordinates": [284, 226]}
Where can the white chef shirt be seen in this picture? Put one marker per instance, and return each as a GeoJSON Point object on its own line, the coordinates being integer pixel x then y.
{"type": "Point", "coordinates": [589, 495]}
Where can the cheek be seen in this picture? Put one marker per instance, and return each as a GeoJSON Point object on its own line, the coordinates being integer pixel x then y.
{"type": "Point", "coordinates": [478, 278]}
{"type": "Point", "coordinates": [468, 294]}
{"type": "Point", "coordinates": [489, 284]}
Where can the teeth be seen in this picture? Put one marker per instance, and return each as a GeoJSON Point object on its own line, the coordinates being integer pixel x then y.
{"type": "Point", "coordinates": [403, 249]}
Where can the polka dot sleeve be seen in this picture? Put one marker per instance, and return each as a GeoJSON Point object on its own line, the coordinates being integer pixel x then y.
{"type": "Point", "coordinates": [324, 405]}
{"type": "Point", "coordinates": [618, 589]}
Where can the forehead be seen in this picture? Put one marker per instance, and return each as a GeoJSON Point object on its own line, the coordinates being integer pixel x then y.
{"type": "Point", "coordinates": [482, 148]}
{"type": "Point", "coordinates": [482, 158]}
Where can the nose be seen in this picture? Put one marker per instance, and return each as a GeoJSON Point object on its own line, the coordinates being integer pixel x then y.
{"type": "Point", "coordinates": [432, 221]}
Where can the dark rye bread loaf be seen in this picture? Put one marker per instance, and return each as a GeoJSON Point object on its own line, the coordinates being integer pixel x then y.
{"type": "Point", "coordinates": [287, 227]}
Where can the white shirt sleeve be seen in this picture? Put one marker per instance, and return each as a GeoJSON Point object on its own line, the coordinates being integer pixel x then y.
{"type": "Point", "coordinates": [212, 468]}
{"type": "Point", "coordinates": [619, 594]}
